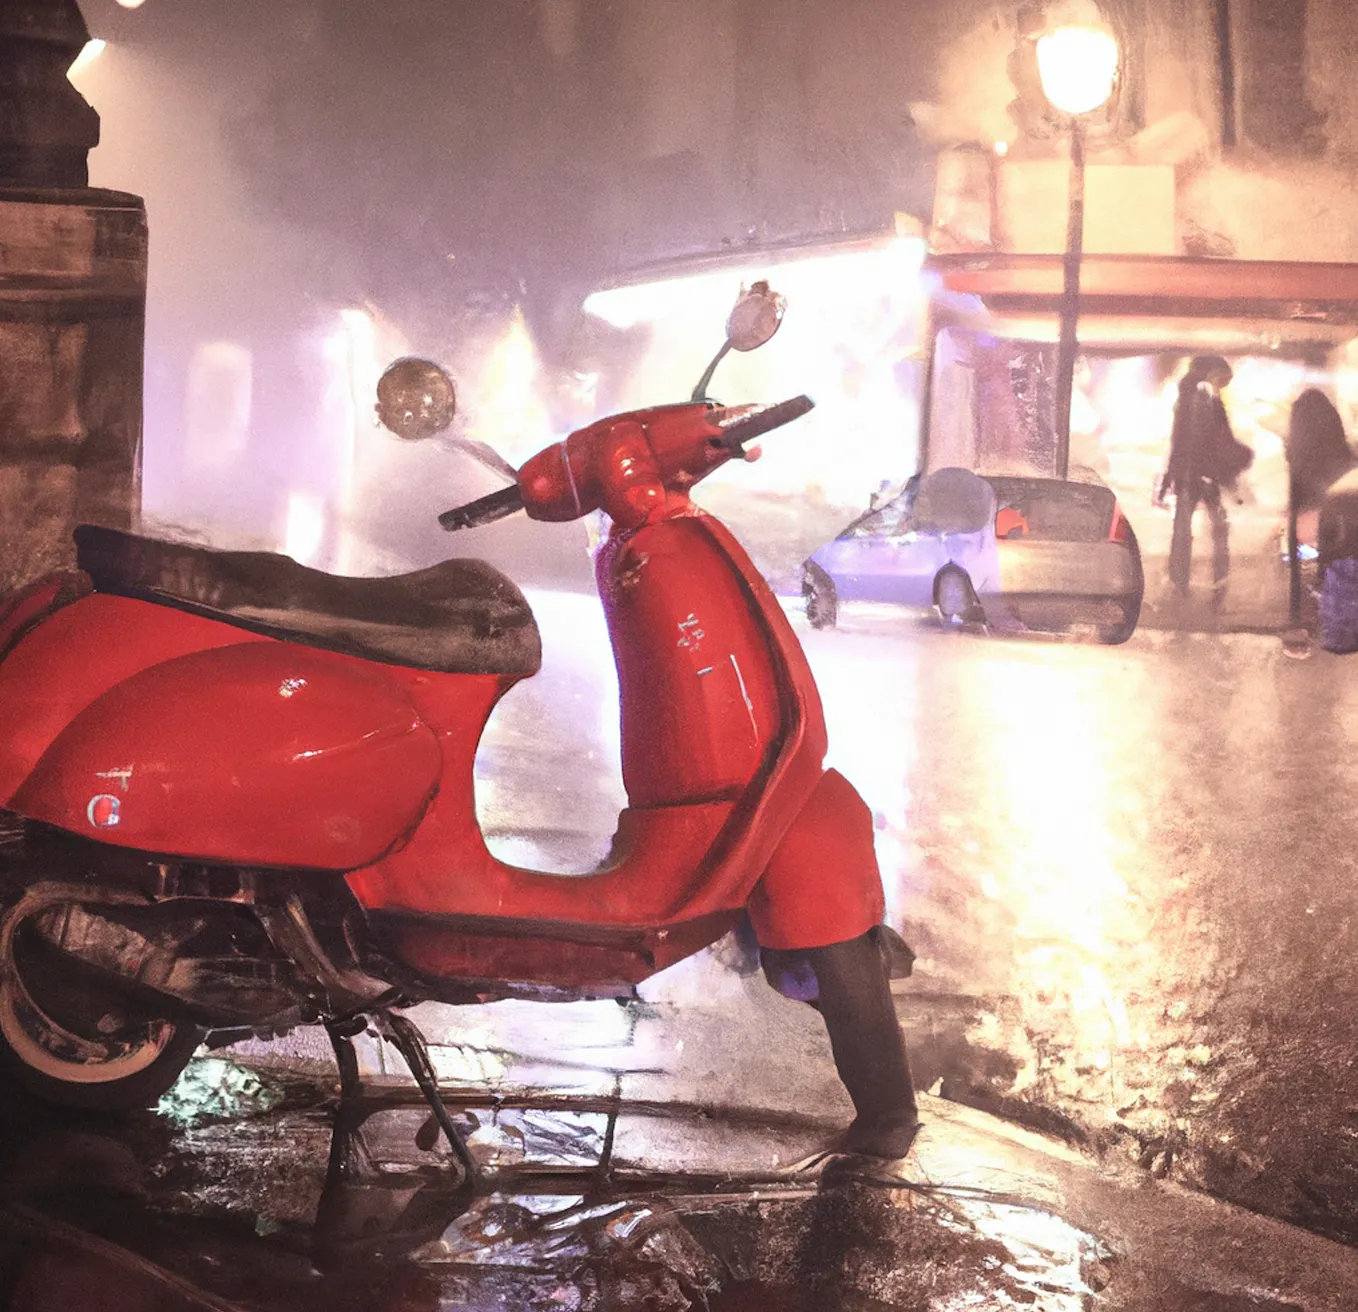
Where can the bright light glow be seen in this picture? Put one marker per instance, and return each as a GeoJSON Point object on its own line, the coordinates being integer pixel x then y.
{"type": "Point", "coordinates": [306, 527]}
{"type": "Point", "coordinates": [850, 340]}
{"type": "Point", "coordinates": [506, 408]}
{"type": "Point", "coordinates": [131, 4]}
{"type": "Point", "coordinates": [1076, 921]}
{"type": "Point", "coordinates": [625, 307]}
{"type": "Point", "coordinates": [1001, 148]}
{"type": "Point", "coordinates": [88, 54]}
{"type": "Point", "coordinates": [351, 356]}
{"type": "Point", "coordinates": [1078, 66]}
{"type": "Point", "coordinates": [217, 406]}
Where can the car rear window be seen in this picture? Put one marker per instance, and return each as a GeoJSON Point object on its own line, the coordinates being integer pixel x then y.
{"type": "Point", "coordinates": [1057, 511]}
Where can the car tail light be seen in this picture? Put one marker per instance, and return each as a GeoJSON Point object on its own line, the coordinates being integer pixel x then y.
{"type": "Point", "coordinates": [1121, 529]}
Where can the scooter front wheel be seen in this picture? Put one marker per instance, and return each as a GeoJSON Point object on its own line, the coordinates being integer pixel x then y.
{"type": "Point", "coordinates": [66, 1040]}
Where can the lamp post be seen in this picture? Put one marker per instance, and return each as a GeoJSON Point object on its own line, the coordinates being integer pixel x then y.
{"type": "Point", "coordinates": [1078, 67]}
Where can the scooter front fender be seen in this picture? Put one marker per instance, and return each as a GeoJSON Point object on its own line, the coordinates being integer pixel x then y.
{"type": "Point", "coordinates": [261, 753]}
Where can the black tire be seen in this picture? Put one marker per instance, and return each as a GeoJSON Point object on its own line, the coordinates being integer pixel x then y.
{"type": "Point", "coordinates": [101, 1055]}
{"type": "Point", "coordinates": [1112, 635]}
{"type": "Point", "coordinates": [954, 597]}
{"type": "Point", "coordinates": [822, 601]}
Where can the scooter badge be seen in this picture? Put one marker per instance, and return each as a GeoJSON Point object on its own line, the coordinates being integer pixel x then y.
{"type": "Point", "coordinates": [103, 811]}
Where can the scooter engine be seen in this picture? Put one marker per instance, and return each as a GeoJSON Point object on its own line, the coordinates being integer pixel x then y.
{"type": "Point", "coordinates": [213, 960]}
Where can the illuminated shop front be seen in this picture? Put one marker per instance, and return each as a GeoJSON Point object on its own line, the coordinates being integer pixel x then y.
{"type": "Point", "coordinates": [1284, 327]}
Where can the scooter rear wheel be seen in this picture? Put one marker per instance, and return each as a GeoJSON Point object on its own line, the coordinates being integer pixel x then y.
{"type": "Point", "coordinates": [68, 1041]}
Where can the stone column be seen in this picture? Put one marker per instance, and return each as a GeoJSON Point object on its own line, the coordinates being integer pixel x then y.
{"type": "Point", "coordinates": [72, 306]}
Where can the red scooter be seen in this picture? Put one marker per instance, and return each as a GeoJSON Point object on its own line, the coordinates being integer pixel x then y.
{"type": "Point", "coordinates": [238, 793]}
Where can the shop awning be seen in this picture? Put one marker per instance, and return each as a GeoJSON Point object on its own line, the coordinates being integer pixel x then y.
{"type": "Point", "coordinates": [1136, 302]}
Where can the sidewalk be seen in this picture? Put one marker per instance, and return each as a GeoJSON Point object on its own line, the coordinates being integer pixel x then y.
{"type": "Point", "coordinates": [989, 1215]}
{"type": "Point", "coordinates": [1256, 596]}
{"type": "Point", "coordinates": [1255, 600]}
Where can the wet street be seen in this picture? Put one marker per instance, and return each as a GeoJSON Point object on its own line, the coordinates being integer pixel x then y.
{"type": "Point", "coordinates": [1128, 873]}
{"type": "Point", "coordinates": [1128, 876]}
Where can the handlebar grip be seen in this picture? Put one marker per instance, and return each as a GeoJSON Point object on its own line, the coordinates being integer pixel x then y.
{"type": "Point", "coordinates": [484, 510]}
{"type": "Point", "coordinates": [765, 420]}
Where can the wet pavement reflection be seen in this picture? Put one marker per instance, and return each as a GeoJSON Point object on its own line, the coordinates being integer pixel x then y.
{"type": "Point", "coordinates": [230, 1197]}
{"type": "Point", "coordinates": [1127, 875]}
{"type": "Point", "coordinates": [247, 1210]}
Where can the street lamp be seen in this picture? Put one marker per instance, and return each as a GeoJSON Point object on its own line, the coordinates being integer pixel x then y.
{"type": "Point", "coordinates": [1078, 67]}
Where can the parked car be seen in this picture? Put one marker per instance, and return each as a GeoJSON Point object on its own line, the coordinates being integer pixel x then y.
{"type": "Point", "coordinates": [1013, 552]}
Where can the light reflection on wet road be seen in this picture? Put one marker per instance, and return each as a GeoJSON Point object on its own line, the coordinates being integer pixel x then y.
{"type": "Point", "coordinates": [1128, 873]}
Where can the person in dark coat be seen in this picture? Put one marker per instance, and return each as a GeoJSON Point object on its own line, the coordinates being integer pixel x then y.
{"type": "Point", "coordinates": [1205, 459]}
{"type": "Point", "coordinates": [1318, 454]}
{"type": "Point", "coordinates": [1317, 448]}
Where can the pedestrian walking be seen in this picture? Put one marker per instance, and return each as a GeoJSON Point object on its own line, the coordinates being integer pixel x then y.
{"type": "Point", "coordinates": [1205, 460]}
{"type": "Point", "coordinates": [1318, 453]}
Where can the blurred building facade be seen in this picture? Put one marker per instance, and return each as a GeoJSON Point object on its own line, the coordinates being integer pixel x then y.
{"type": "Point", "coordinates": [1233, 132]}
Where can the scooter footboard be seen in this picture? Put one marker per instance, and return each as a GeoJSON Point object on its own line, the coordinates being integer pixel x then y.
{"type": "Point", "coordinates": [496, 958]}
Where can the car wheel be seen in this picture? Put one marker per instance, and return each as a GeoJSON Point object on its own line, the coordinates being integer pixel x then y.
{"type": "Point", "coordinates": [822, 601]}
{"type": "Point", "coordinates": [1111, 635]}
{"type": "Point", "coordinates": [954, 597]}
{"type": "Point", "coordinates": [1119, 631]}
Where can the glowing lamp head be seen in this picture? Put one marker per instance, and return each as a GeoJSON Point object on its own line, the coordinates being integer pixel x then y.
{"type": "Point", "coordinates": [415, 398]}
{"type": "Point", "coordinates": [1078, 67]}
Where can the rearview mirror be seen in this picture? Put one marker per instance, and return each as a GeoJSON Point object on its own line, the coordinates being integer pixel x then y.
{"type": "Point", "coordinates": [415, 398]}
{"type": "Point", "coordinates": [755, 317]}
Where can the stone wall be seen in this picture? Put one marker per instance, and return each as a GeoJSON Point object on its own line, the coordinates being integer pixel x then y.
{"type": "Point", "coordinates": [72, 305]}
{"type": "Point", "coordinates": [72, 298]}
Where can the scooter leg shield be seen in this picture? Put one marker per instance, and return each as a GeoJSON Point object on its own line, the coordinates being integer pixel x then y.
{"type": "Point", "coordinates": [822, 884]}
{"type": "Point", "coordinates": [816, 912]}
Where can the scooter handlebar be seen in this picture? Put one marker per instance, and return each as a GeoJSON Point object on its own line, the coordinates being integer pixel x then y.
{"type": "Point", "coordinates": [484, 510]}
{"type": "Point", "coordinates": [740, 424]}
{"type": "Point", "coordinates": [737, 424]}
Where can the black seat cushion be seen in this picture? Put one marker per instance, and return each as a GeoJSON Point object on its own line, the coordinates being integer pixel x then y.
{"type": "Point", "coordinates": [462, 616]}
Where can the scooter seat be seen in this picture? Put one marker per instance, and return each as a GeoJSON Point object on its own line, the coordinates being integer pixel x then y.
{"type": "Point", "coordinates": [461, 617]}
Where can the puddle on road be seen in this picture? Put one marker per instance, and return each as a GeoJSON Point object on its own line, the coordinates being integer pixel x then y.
{"type": "Point", "coordinates": [215, 1211]}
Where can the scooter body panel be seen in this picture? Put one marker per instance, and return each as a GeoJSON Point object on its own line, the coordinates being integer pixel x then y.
{"type": "Point", "coordinates": [717, 771]}
{"type": "Point", "coordinates": [183, 735]}
{"type": "Point", "coordinates": [260, 753]}
{"type": "Point", "coordinates": [697, 679]}
{"type": "Point", "coordinates": [75, 655]}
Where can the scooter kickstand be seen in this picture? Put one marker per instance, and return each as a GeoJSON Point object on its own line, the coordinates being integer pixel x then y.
{"type": "Point", "coordinates": [346, 1147]}
{"type": "Point", "coordinates": [404, 1035]}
